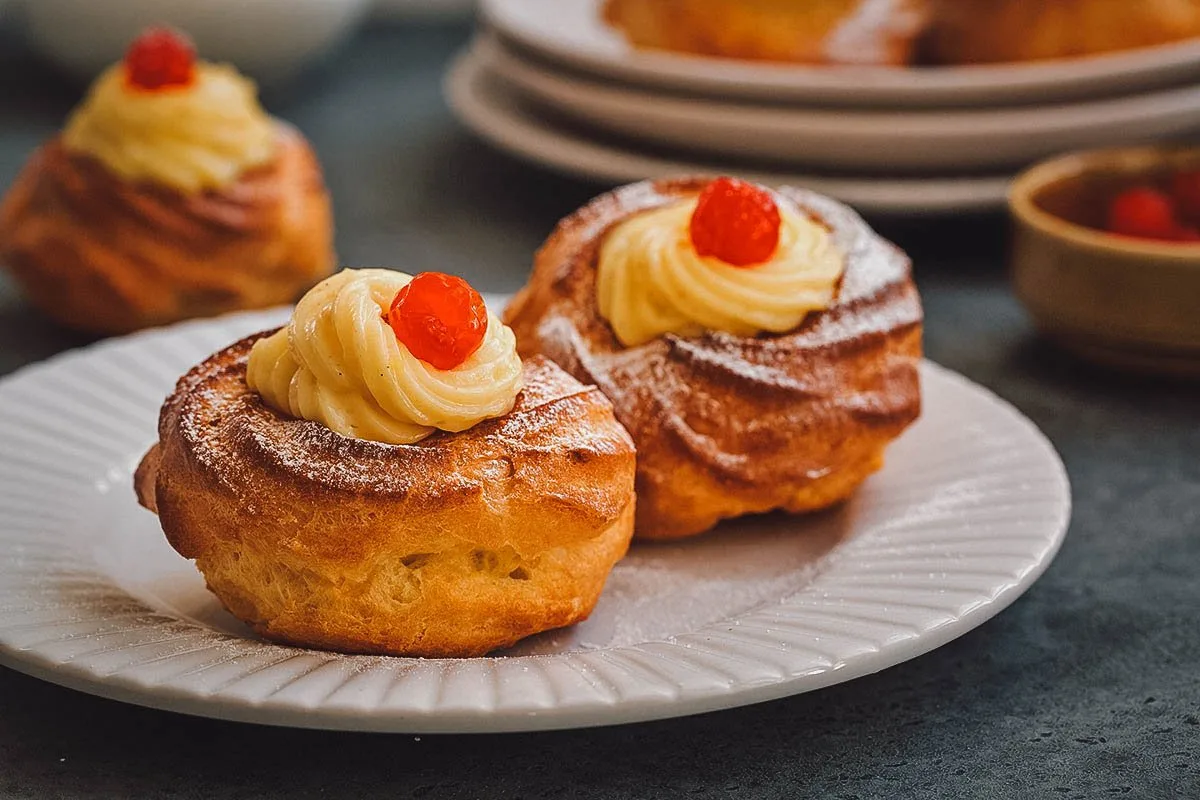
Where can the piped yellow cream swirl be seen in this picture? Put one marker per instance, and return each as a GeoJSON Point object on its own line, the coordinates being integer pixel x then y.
{"type": "Point", "coordinates": [650, 280]}
{"type": "Point", "coordinates": [195, 137]}
{"type": "Point", "coordinates": [338, 362]}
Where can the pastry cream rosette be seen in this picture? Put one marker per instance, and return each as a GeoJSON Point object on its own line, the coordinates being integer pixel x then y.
{"type": "Point", "coordinates": [650, 280]}
{"type": "Point", "coordinates": [169, 195]}
{"type": "Point", "coordinates": [728, 424]}
{"type": "Point", "coordinates": [200, 136]}
{"type": "Point", "coordinates": [338, 362]}
{"type": "Point", "coordinates": [354, 529]}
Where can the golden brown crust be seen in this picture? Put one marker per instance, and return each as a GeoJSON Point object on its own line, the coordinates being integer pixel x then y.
{"type": "Point", "coordinates": [726, 425]}
{"type": "Point", "coordinates": [997, 31]}
{"type": "Point", "coordinates": [455, 546]}
{"type": "Point", "coordinates": [881, 32]}
{"type": "Point", "coordinates": [101, 254]}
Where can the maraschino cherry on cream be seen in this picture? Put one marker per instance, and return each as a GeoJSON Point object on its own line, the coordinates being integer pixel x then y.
{"type": "Point", "coordinates": [375, 354]}
{"type": "Point", "coordinates": [160, 58]}
{"type": "Point", "coordinates": [165, 116]}
{"type": "Point", "coordinates": [761, 345]}
{"type": "Point", "coordinates": [440, 318]}
{"type": "Point", "coordinates": [736, 222]}
{"type": "Point", "coordinates": [732, 257]}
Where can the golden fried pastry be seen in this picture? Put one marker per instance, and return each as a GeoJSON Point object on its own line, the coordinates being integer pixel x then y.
{"type": "Point", "coordinates": [489, 501]}
{"type": "Point", "coordinates": [159, 202]}
{"type": "Point", "coordinates": [760, 347]}
{"type": "Point", "coordinates": [817, 32]}
{"type": "Point", "coordinates": [101, 254]}
{"type": "Point", "coordinates": [993, 31]}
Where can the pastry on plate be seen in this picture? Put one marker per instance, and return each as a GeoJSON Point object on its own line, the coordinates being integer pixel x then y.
{"type": "Point", "coordinates": [882, 32]}
{"type": "Point", "coordinates": [385, 475]}
{"type": "Point", "coordinates": [760, 346]}
{"type": "Point", "coordinates": [995, 31]}
{"type": "Point", "coordinates": [169, 194]}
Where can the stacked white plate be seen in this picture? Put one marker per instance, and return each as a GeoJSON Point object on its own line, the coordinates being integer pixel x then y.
{"type": "Point", "coordinates": [549, 81]}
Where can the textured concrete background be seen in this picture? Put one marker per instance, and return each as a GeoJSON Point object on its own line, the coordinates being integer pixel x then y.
{"type": "Point", "coordinates": [1088, 686]}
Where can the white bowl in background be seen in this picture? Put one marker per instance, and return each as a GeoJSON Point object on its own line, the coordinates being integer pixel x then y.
{"type": "Point", "coordinates": [268, 39]}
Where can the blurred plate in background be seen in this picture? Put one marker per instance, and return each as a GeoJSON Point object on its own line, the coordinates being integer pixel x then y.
{"type": "Point", "coordinates": [572, 33]}
{"type": "Point", "coordinates": [881, 141]}
{"type": "Point", "coordinates": [491, 108]}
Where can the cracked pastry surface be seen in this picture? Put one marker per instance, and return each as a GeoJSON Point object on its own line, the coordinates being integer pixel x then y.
{"type": "Point", "coordinates": [724, 424]}
{"type": "Point", "coordinates": [454, 546]}
{"type": "Point", "coordinates": [101, 254]}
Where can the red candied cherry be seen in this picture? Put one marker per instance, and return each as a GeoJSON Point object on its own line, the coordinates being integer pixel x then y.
{"type": "Point", "coordinates": [1143, 212]}
{"type": "Point", "coordinates": [736, 222]}
{"type": "Point", "coordinates": [160, 57]}
{"type": "Point", "coordinates": [439, 318]}
{"type": "Point", "coordinates": [1185, 191]}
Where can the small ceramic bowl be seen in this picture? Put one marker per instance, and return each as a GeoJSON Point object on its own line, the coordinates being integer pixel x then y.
{"type": "Point", "coordinates": [1126, 302]}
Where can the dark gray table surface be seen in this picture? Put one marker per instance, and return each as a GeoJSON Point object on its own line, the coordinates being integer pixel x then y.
{"type": "Point", "coordinates": [1086, 687]}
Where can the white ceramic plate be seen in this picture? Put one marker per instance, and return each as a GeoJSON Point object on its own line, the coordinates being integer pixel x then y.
{"type": "Point", "coordinates": [572, 33]}
{"type": "Point", "coordinates": [487, 105]}
{"type": "Point", "coordinates": [967, 514]}
{"type": "Point", "coordinates": [885, 142]}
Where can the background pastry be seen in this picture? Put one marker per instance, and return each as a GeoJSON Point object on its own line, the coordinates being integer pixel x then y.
{"type": "Point", "coordinates": [985, 31]}
{"type": "Point", "coordinates": [815, 32]}
{"type": "Point", "coordinates": [170, 194]}
{"type": "Point", "coordinates": [339, 491]}
{"type": "Point", "coordinates": [761, 348]}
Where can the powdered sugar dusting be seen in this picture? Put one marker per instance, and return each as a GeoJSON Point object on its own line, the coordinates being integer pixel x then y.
{"type": "Point", "coordinates": [242, 443]}
{"type": "Point", "coordinates": [732, 402]}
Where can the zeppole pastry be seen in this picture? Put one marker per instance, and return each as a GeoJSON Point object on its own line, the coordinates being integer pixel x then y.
{"type": "Point", "coordinates": [760, 347]}
{"type": "Point", "coordinates": [993, 31]}
{"type": "Point", "coordinates": [883, 32]}
{"type": "Point", "coordinates": [384, 475]}
{"type": "Point", "coordinates": [169, 194]}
